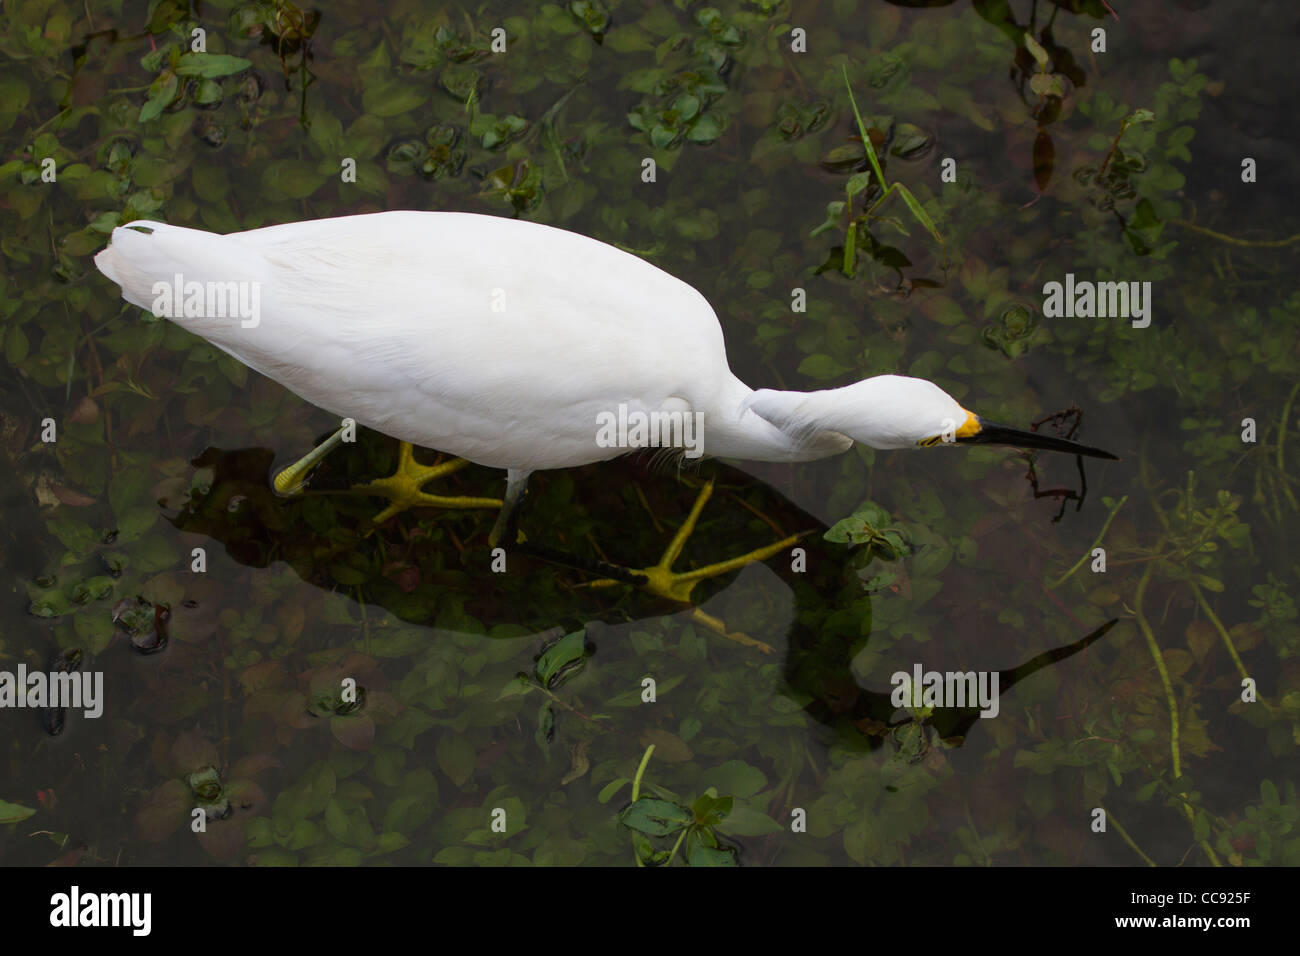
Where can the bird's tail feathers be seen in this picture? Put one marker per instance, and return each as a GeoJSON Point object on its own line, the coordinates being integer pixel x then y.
{"type": "Point", "coordinates": [142, 257]}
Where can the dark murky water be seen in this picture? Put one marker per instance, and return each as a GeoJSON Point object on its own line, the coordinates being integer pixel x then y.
{"type": "Point", "coordinates": [164, 447]}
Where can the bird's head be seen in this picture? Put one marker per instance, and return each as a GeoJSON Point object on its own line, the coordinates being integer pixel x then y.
{"type": "Point", "coordinates": [895, 411]}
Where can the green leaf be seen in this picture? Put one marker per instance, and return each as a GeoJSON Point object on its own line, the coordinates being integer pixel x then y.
{"type": "Point", "coordinates": [742, 821]}
{"type": "Point", "coordinates": [128, 489]}
{"type": "Point", "coordinates": [517, 685]}
{"type": "Point", "coordinates": [14, 94]}
{"type": "Point", "coordinates": [709, 808]}
{"type": "Point", "coordinates": [668, 746]}
{"type": "Point", "coordinates": [655, 817]}
{"type": "Point", "coordinates": [705, 129]}
{"type": "Point", "coordinates": [16, 345]}
{"type": "Point", "coordinates": [698, 853]}
{"type": "Point", "coordinates": [661, 136]}
{"type": "Point", "coordinates": [1200, 826]}
{"type": "Point", "coordinates": [346, 575]}
{"type": "Point", "coordinates": [1047, 84]}
{"type": "Point", "coordinates": [564, 654]}
{"type": "Point", "coordinates": [737, 778]}
{"type": "Point", "coordinates": [456, 757]}
{"type": "Point", "coordinates": [822, 367]}
{"type": "Point", "coordinates": [209, 92]}
{"type": "Point", "coordinates": [1036, 50]}
{"type": "Point", "coordinates": [614, 786]}
{"type": "Point", "coordinates": [545, 732]}
{"type": "Point", "coordinates": [387, 96]}
{"type": "Point", "coordinates": [921, 215]}
{"type": "Point", "coordinates": [136, 522]}
{"type": "Point", "coordinates": [13, 812]}
{"type": "Point", "coordinates": [336, 821]}
{"type": "Point", "coordinates": [833, 212]}
{"type": "Point", "coordinates": [862, 131]}
{"type": "Point", "coordinates": [161, 92]}
{"type": "Point", "coordinates": [699, 226]}
{"type": "Point", "coordinates": [687, 106]}
{"type": "Point", "coordinates": [305, 833]}
{"type": "Point", "coordinates": [211, 65]}
{"type": "Point", "coordinates": [291, 179]}
{"type": "Point", "coordinates": [76, 536]}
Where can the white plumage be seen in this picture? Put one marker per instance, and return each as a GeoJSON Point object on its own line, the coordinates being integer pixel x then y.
{"type": "Point", "coordinates": [502, 341]}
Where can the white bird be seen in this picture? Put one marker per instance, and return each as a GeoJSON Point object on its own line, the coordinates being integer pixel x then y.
{"type": "Point", "coordinates": [504, 342]}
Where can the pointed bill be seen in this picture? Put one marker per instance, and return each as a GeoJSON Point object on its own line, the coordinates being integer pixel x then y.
{"type": "Point", "coordinates": [991, 433]}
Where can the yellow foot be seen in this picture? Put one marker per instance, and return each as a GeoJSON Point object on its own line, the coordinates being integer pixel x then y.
{"type": "Point", "coordinates": [664, 582]}
{"type": "Point", "coordinates": [403, 488]}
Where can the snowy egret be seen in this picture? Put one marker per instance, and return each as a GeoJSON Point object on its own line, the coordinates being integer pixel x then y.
{"type": "Point", "coordinates": [506, 343]}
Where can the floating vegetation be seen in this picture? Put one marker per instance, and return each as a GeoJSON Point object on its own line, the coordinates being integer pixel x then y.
{"type": "Point", "coordinates": [336, 691]}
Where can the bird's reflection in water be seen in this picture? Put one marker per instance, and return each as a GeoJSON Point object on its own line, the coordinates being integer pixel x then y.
{"type": "Point", "coordinates": [619, 512]}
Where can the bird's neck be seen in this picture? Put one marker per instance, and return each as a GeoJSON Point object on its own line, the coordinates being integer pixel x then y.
{"type": "Point", "coordinates": [734, 430]}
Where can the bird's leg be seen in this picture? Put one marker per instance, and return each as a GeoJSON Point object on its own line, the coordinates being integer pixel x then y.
{"type": "Point", "coordinates": [293, 479]}
{"type": "Point", "coordinates": [662, 581]}
{"type": "Point", "coordinates": [403, 488]}
{"type": "Point", "coordinates": [516, 485]}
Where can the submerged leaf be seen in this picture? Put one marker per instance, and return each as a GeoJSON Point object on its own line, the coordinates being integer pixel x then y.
{"type": "Point", "coordinates": [13, 812]}
{"type": "Point", "coordinates": [561, 659]}
{"type": "Point", "coordinates": [211, 65]}
{"type": "Point", "coordinates": [655, 818]}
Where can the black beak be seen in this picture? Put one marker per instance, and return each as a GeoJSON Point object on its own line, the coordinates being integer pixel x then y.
{"type": "Point", "coordinates": [993, 434]}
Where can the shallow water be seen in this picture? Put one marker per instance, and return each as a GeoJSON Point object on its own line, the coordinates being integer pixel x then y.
{"type": "Point", "coordinates": [164, 446]}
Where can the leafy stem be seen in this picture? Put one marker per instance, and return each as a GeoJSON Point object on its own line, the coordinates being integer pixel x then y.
{"type": "Point", "coordinates": [850, 243]}
{"type": "Point", "coordinates": [1095, 544]}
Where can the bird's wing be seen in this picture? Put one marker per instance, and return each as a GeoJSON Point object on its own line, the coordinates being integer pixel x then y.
{"type": "Point", "coordinates": [499, 324]}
